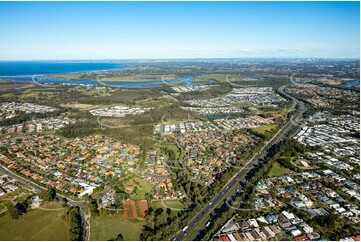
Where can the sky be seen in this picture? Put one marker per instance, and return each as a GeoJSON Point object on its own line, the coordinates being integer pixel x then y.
{"type": "Point", "coordinates": [142, 30]}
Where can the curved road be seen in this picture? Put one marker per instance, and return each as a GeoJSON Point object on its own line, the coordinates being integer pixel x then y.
{"type": "Point", "coordinates": [231, 186]}
{"type": "Point", "coordinates": [80, 204]}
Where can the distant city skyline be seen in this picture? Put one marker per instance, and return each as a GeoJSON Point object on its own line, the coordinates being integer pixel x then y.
{"type": "Point", "coordinates": [171, 30]}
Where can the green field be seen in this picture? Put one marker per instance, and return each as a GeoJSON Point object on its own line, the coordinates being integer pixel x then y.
{"type": "Point", "coordinates": [277, 170]}
{"type": "Point", "coordinates": [35, 225]}
{"type": "Point", "coordinates": [265, 129]}
{"type": "Point", "coordinates": [168, 204]}
{"type": "Point", "coordinates": [143, 187]}
{"type": "Point", "coordinates": [218, 77]}
{"type": "Point", "coordinates": [108, 227]}
{"type": "Point", "coordinates": [161, 147]}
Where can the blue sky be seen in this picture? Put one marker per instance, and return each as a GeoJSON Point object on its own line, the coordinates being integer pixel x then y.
{"type": "Point", "coordinates": [126, 30]}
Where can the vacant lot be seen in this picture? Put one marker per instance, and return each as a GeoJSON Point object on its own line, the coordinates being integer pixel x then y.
{"type": "Point", "coordinates": [172, 204]}
{"type": "Point", "coordinates": [143, 187]}
{"type": "Point", "coordinates": [35, 225]}
{"type": "Point", "coordinates": [277, 170]}
{"type": "Point", "coordinates": [78, 105]}
{"type": "Point", "coordinates": [108, 227]}
{"type": "Point", "coordinates": [265, 129]}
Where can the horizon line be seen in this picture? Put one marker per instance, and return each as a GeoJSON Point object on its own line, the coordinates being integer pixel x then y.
{"type": "Point", "coordinates": [180, 58]}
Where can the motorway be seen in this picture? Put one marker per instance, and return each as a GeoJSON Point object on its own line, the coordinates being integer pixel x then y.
{"type": "Point", "coordinates": [195, 223]}
{"type": "Point", "coordinates": [231, 186]}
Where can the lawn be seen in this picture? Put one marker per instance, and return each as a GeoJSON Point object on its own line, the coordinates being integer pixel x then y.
{"type": "Point", "coordinates": [108, 227]}
{"type": "Point", "coordinates": [277, 170]}
{"type": "Point", "coordinates": [35, 225]}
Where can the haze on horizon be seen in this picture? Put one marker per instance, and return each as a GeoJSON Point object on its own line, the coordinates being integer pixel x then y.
{"type": "Point", "coordinates": [161, 30]}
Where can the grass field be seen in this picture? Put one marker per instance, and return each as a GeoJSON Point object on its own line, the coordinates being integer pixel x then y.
{"type": "Point", "coordinates": [277, 170]}
{"type": "Point", "coordinates": [143, 187]}
{"type": "Point", "coordinates": [168, 203]}
{"type": "Point", "coordinates": [53, 205]}
{"type": "Point", "coordinates": [279, 115]}
{"type": "Point", "coordinates": [108, 227]}
{"type": "Point", "coordinates": [165, 146]}
{"type": "Point", "coordinates": [35, 225]}
{"type": "Point", "coordinates": [218, 77]}
{"type": "Point", "coordinates": [265, 129]}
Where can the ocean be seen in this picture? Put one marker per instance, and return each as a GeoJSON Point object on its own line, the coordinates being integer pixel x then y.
{"type": "Point", "coordinates": [29, 68]}
{"type": "Point", "coordinates": [24, 71]}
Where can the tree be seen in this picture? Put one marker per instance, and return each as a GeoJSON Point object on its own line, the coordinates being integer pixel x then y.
{"type": "Point", "coordinates": [64, 202]}
{"type": "Point", "coordinates": [48, 195]}
{"type": "Point", "coordinates": [17, 210]}
{"type": "Point", "coordinates": [119, 237]}
{"type": "Point", "coordinates": [73, 217]}
{"type": "Point", "coordinates": [93, 206]}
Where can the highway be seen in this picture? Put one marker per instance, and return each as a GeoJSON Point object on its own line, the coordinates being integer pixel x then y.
{"type": "Point", "coordinates": [234, 184]}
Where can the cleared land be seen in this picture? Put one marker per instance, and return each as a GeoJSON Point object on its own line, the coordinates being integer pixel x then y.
{"type": "Point", "coordinates": [35, 225]}
{"type": "Point", "coordinates": [277, 170]}
{"type": "Point", "coordinates": [78, 105]}
{"type": "Point", "coordinates": [265, 129]}
{"type": "Point", "coordinates": [172, 204]}
{"type": "Point", "coordinates": [108, 227]}
{"type": "Point", "coordinates": [143, 187]}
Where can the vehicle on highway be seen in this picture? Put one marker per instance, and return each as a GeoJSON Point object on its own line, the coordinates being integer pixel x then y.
{"type": "Point", "coordinates": [185, 228]}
